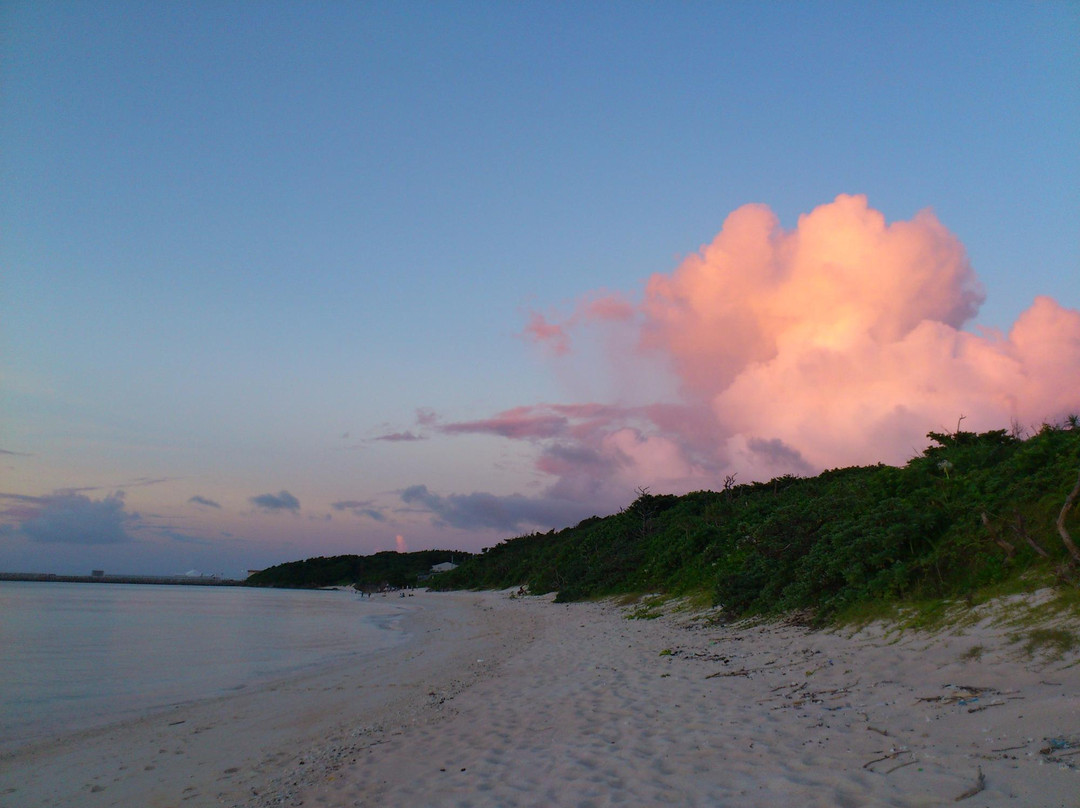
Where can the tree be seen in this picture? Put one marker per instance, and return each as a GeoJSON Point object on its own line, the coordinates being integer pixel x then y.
{"type": "Point", "coordinates": [1065, 537]}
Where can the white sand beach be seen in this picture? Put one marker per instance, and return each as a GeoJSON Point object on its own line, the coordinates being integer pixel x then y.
{"type": "Point", "coordinates": [504, 701]}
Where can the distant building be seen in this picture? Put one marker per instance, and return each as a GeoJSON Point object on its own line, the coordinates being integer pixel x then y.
{"type": "Point", "coordinates": [97, 573]}
{"type": "Point", "coordinates": [446, 566]}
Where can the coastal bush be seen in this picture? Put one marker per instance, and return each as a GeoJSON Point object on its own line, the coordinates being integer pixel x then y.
{"type": "Point", "coordinates": [971, 511]}
{"type": "Point", "coordinates": [386, 568]}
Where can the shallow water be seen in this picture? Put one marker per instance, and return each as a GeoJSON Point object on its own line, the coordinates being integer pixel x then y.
{"type": "Point", "coordinates": [75, 656]}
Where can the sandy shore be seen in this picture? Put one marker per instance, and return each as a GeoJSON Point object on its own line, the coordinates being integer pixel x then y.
{"type": "Point", "coordinates": [500, 701]}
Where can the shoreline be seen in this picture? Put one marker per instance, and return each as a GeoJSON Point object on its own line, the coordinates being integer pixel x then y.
{"type": "Point", "coordinates": [230, 749]}
{"type": "Point", "coordinates": [502, 701]}
{"type": "Point", "coordinates": [84, 659]}
{"type": "Point", "coordinates": [146, 580]}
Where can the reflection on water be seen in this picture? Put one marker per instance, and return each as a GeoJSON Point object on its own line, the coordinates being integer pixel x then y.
{"type": "Point", "coordinates": [76, 655]}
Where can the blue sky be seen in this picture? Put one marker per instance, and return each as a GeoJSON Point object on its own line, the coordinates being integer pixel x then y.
{"type": "Point", "coordinates": [262, 259]}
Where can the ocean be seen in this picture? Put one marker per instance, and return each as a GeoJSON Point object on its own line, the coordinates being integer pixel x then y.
{"type": "Point", "coordinates": [77, 656]}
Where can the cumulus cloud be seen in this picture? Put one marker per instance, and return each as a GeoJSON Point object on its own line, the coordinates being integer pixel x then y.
{"type": "Point", "coordinates": [522, 422]}
{"type": "Point", "coordinates": [540, 330]}
{"type": "Point", "coordinates": [612, 308]}
{"type": "Point", "coordinates": [400, 437]}
{"type": "Point", "coordinates": [838, 342]}
{"type": "Point", "coordinates": [425, 416]}
{"type": "Point", "coordinates": [774, 453]}
{"type": "Point", "coordinates": [201, 500]}
{"type": "Point", "coordinates": [140, 482]}
{"type": "Point", "coordinates": [348, 504]}
{"type": "Point", "coordinates": [480, 510]}
{"type": "Point", "coordinates": [282, 501]}
{"type": "Point", "coordinates": [842, 278]}
{"type": "Point", "coordinates": [360, 508]}
{"type": "Point", "coordinates": [70, 518]}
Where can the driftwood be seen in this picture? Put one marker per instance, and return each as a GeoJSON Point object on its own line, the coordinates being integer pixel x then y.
{"type": "Point", "coordinates": [743, 672]}
{"type": "Point", "coordinates": [889, 756]}
{"type": "Point", "coordinates": [1065, 537]}
{"type": "Point", "coordinates": [980, 784]}
{"type": "Point", "coordinates": [1021, 530]}
{"type": "Point", "coordinates": [901, 765]}
{"type": "Point", "coordinates": [1000, 542]}
{"type": "Point", "coordinates": [986, 706]}
{"type": "Point", "coordinates": [962, 695]}
{"type": "Point", "coordinates": [1010, 748]}
{"type": "Point", "coordinates": [790, 685]}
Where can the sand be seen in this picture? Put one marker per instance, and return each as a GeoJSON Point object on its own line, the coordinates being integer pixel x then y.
{"type": "Point", "coordinates": [505, 701]}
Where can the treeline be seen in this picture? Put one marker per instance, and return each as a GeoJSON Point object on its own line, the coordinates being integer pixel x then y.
{"type": "Point", "coordinates": [972, 510]}
{"type": "Point", "coordinates": [389, 567]}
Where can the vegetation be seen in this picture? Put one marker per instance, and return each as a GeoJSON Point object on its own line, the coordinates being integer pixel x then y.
{"type": "Point", "coordinates": [1056, 641]}
{"type": "Point", "coordinates": [972, 511]}
{"type": "Point", "coordinates": [373, 571]}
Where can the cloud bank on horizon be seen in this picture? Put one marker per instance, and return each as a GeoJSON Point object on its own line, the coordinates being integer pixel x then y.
{"type": "Point", "coordinates": [69, 517]}
{"type": "Point", "coordinates": [837, 343]}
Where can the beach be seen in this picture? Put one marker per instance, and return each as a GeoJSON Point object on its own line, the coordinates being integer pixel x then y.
{"type": "Point", "coordinates": [500, 700]}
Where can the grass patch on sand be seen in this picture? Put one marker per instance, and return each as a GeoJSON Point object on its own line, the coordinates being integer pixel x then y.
{"type": "Point", "coordinates": [918, 615]}
{"type": "Point", "coordinates": [973, 654]}
{"type": "Point", "coordinates": [1053, 643]}
{"type": "Point", "coordinates": [649, 607]}
{"type": "Point", "coordinates": [698, 600]}
{"type": "Point", "coordinates": [1026, 603]}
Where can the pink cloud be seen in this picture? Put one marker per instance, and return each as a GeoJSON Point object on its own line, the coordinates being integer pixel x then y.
{"type": "Point", "coordinates": [520, 423]}
{"type": "Point", "coordinates": [542, 332]}
{"type": "Point", "coordinates": [790, 351]}
{"type": "Point", "coordinates": [843, 273]}
{"type": "Point", "coordinates": [400, 437]}
{"type": "Point", "coordinates": [608, 307]}
{"type": "Point", "coordinates": [611, 308]}
{"type": "Point", "coordinates": [425, 416]}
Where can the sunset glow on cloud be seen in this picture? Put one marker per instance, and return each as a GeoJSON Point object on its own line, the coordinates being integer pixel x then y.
{"type": "Point", "coordinates": [836, 343]}
{"type": "Point", "coordinates": [496, 269]}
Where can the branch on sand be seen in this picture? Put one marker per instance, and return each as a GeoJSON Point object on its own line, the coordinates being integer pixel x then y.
{"type": "Point", "coordinates": [980, 784]}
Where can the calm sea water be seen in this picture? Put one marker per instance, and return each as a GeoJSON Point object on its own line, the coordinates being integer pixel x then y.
{"type": "Point", "coordinates": [74, 656]}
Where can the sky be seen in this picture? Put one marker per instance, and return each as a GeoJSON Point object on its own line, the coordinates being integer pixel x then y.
{"type": "Point", "coordinates": [283, 280]}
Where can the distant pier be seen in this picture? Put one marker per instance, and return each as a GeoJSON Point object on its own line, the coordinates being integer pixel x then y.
{"type": "Point", "coordinates": [184, 580]}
